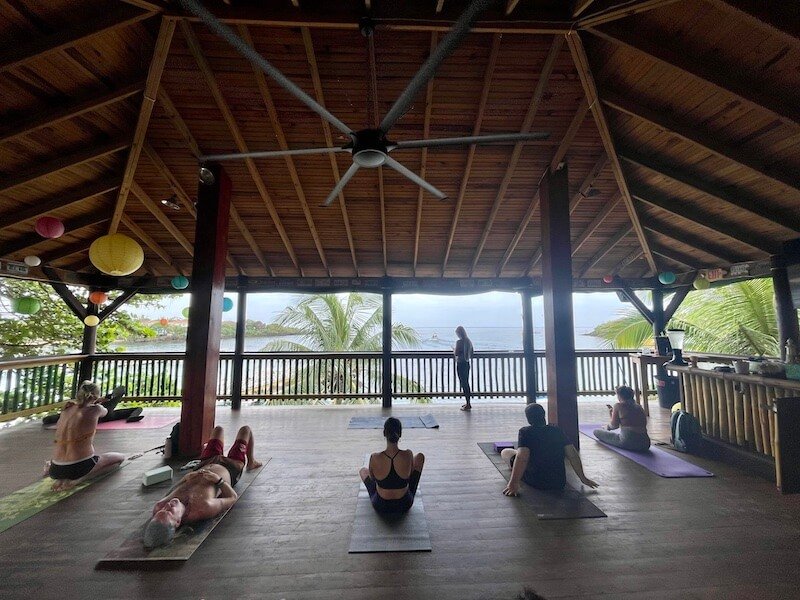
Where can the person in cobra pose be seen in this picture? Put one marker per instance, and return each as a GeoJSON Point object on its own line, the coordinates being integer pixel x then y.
{"type": "Point", "coordinates": [463, 355]}
{"type": "Point", "coordinates": [74, 459]}
{"type": "Point", "coordinates": [205, 492]}
{"type": "Point", "coordinates": [629, 418]}
{"type": "Point", "coordinates": [393, 475]}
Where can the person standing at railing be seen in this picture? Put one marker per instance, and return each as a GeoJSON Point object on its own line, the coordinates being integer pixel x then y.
{"type": "Point", "coordinates": [463, 355]}
{"type": "Point", "coordinates": [629, 418]}
{"type": "Point", "coordinates": [74, 459]}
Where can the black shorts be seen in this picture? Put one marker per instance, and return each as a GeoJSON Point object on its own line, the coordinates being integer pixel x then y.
{"type": "Point", "coordinates": [74, 470]}
{"type": "Point", "coordinates": [399, 505]}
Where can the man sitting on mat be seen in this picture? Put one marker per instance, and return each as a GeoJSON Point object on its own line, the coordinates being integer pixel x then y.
{"type": "Point", "coordinates": [393, 475]}
{"type": "Point", "coordinates": [629, 418]}
{"type": "Point", "coordinates": [539, 457]}
{"type": "Point", "coordinates": [131, 415]}
{"type": "Point", "coordinates": [205, 492]}
{"type": "Point", "coordinates": [74, 459]}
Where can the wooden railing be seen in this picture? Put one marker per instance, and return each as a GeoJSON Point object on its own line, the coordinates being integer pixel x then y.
{"type": "Point", "coordinates": [34, 384]}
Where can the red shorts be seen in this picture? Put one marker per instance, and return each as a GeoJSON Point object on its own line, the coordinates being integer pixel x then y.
{"type": "Point", "coordinates": [214, 448]}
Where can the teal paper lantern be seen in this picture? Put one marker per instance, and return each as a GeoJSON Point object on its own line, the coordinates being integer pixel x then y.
{"type": "Point", "coordinates": [185, 312]}
{"type": "Point", "coordinates": [179, 282]}
{"type": "Point", "coordinates": [227, 304]}
{"type": "Point", "coordinates": [666, 277]}
{"type": "Point", "coordinates": [26, 305]}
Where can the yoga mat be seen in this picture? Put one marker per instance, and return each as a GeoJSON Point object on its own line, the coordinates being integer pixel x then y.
{"type": "Point", "coordinates": [149, 422]}
{"type": "Point", "coordinates": [548, 504]}
{"type": "Point", "coordinates": [23, 504]}
{"type": "Point", "coordinates": [131, 553]}
{"type": "Point", "coordinates": [374, 532]}
{"type": "Point", "coordinates": [655, 459]}
{"type": "Point", "coordinates": [425, 421]}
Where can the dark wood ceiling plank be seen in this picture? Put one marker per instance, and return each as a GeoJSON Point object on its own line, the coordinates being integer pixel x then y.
{"type": "Point", "coordinates": [72, 225]}
{"type": "Point", "coordinates": [156, 211]}
{"type": "Point", "coordinates": [177, 122]}
{"type": "Point", "coordinates": [633, 256]}
{"type": "Point", "coordinates": [147, 240]}
{"type": "Point", "coordinates": [700, 244]}
{"type": "Point", "coordinates": [596, 222]}
{"type": "Point", "coordinates": [607, 247]}
{"type": "Point", "coordinates": [780, 17]}
{"type": "Point", "coordinates": [621, 11]}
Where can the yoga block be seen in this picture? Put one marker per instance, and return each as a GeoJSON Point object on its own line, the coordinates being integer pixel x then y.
{"type": "Point", "coordinates": [500, 446]}
{"type": "Point", "coordinates": [157, 475]}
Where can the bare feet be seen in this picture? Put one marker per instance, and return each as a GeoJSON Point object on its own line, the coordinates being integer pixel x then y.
{"type": "Point", "coordinates": [466, 407]}
{"type": "Point", "coordinates": [254, 464]}
{"type": "Point", "coordinates": [61, 484]}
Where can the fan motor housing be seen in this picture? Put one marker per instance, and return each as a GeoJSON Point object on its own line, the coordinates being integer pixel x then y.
{"type": "Point", "coordinates": [370, 148]}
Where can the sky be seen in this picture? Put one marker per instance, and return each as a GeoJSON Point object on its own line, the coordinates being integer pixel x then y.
{"type": "Point", "coordinates": [492, 309]}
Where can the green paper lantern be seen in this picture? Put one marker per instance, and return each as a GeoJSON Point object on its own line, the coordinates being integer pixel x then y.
{"type": "Point", "coordinates": [666, 277]}
{"type": "Point", "coordinates": [179, 282]}
{"type": "Point", "coordinates": [227, 304]}
{"type": "Point", "coordinates": [701, 283]}
{"type": "Point", "coordinates": [26, 305]}
{"type": "Point", "coordinates": [185, 312]}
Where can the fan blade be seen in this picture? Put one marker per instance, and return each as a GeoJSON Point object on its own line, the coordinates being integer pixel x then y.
{"type": "Point", "coordinates": [250, 54]}
{"type": "Point", "coordinates": [449, 43]}
{"type": "Point", "coordinates": [348, 175]}
{"type": "Point", "coordinates": [270, 154]}
{"type": "Point", "coordinates": [499, 138]}
{"type": "Point", "coordinates": [390, 162]}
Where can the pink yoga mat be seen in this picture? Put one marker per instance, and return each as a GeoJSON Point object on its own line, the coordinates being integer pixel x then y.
{"type": "Point", "coordinates": [148, 422]}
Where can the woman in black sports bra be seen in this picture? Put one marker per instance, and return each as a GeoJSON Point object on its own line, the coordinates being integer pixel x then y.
{"type": "Point", "coordinates": [393, 475]}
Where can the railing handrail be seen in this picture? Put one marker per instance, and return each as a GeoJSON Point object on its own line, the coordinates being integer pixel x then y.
{"type": "Point", "coordinates": [38, 361]}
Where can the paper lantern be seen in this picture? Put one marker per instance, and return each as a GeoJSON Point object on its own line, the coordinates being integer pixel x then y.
{"type": "Point", "coordinates": [163, 321]}
{"type": "Point", "coordinates": [608, 279]}
{"type": "Point", "coordinates": [49, 227]}
{"type": "Point", "coordinates": [32, 261]}
{"type": "Point", "coordinates": [26, 305]}
{"type": "Point", "coordinates": [666, 277]}
{"type": "Point", "coordinates": [179, 282]}
{"type": "Point", "coordinates": [98, 297]}
{"type": "Point", "coordinates": [185, 312]}
{"type": "Point", "coordinates": [91, 321]}
{"type": "Point", "coordinates": [701, 283]}
{"type": "Point", "coordinates": [116, 254]}
{"type": "Point", "coordinates": [227, 304]}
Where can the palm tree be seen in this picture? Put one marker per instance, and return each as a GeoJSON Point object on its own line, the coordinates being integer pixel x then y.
{"type": "Point", "coordinates": [734, 319]}
{"type": "Point", "coordinates": [341, 324]}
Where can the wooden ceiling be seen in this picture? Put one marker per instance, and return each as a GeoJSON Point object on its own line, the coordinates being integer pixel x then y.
{"type": "Point", "coordinates": [679, 123]}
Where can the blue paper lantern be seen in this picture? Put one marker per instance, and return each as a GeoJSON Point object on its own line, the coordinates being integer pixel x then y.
{"type": "Point", "coordinates": [227, 304]}
{"type": "Point", "coordinates": [179, 282]}
{"type": "Point", "coordinates": [666, 277]}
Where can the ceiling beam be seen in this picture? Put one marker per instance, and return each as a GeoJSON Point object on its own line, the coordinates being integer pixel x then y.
{"type": "Point", "coordinates": [79, 194]}
{"type": "Point", "coordinates": [605, 249]}
{"type": "Point", "coordinates": [63, 112]}
{"type": "Point", "coordinates": [621, 11]}
{"type": "Point", "coordinates": [635, 255]}
{"type": "Point", "coordinates": [779, 17]}
{"type": "Point", "coordinates": [596, 222]}
{"type": "Point", "coordinates": [146, 5]}
{"type": "Point", "coordinates": [66, 37]}
{"type": "Point", "coordinates": [476, 129]}
{"type": "Point", "coordinates": [590, 90]}
{"type": "Point", "coordinates": [152, 83]}
{"type": "Point", "coordinates": [578, 6]}
{"type": "Point", "coordinates": [426, 131]}
{"type": "Point", "coordinates": [700, 244]}
{"type": "Point", "coordinates": [709, 221]}
{"type": "Point", "coordinates": [177, 121]}
{"type": "Point", "coordinates": [693, 134]}
{"type": "Point", "coordinates": [680, 258]}
{"type": "Point", "coordinates": [147, 240]}
{"type": "Point", "coordinates": [154, 209]}
{"type": "Point", "coordinates": [72, 225]}
{"type": "Point", "coordinates": [725, 79]}
{"type": "Point", "coordinates": [439, 6]}
{"type": "Point", "coordinates": [533, 107]}
{"type": "Point", "coordinates": [66, 251]}
{"type": "Point", "coordinates": [756, 207]}
{"type": "Point", "coordinates": [575, 125]}
{"type": "Point", "coordinates": [41, 169]}
{"type": "Point", "coordinates": [511, 5]}
{"type": "Point", "coordinates": [236, 134]}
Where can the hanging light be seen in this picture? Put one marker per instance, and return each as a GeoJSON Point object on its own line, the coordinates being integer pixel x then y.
{"type": "Point", "coordinates": [227, 304]}
{"type": "Point", "coordinates": [206, 176]}
{"type": "Point", "coordinates": [171, 202]}
{"type": "Point", "coordinates": [179, 282]}
{"type": "Point", "coordinates": [26, 305]}
{"type": "Point", "coordinates": [49, 227]}
{"type": "Point", "coordinates": [91, 321]}
{"type": "Point", "coordinates": [32, 261]}
{"type": "Point", "coordinates": [98, 297]}
{"type": "Point", "coordinates": [666, 277]}
{"type": "Point", "coordinates": [676, 337]}
{"type": "Point", "coordinates": [116, 254]}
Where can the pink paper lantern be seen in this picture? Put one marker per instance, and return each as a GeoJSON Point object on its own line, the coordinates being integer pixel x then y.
{"type": "Point", "coordinates": [49, 227]}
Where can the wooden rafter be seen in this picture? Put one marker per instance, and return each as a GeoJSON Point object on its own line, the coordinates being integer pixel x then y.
{"type": "Point", "coordinates": [153, 82]}
{"type": "Point", "coordinates": [578, 6]}
{"type": "Point", "coordinates": [590, 89]}
{"type": "Point", "coordinates": [709, 221]}
{"type": "Point", "coordinates": [676, 257]}
{"type": "Point", "coordinates": [92, 152]}
{"type": "Point", "coordinates": [569, 136]}
{"type": "Point", "coordinates": [638, 252]}
{"type": "Point", "coordinates": [511, 5]}
{"type": "Point", "coordinates": [741, 200]}
{"type": "Point", "coordinates": [538, 93]}
{"type": "Point", "coordinates": [476, 129]}
{"type": "Point", "coordinates": [607, 247]}
{"type": "Point", "coordinates": [66, 251]}
{"type": "Point", "coordinates": [694, 135]}
{"type": "Point", "coordinates": [426, 130]}
{"type": "Point", "coordinates": [621, 11]}
{"type": "Point", "coordinates": [81, 194]}
{"type": "Point", "coordinates": [177, 121]}
{"type": "Point", "coordinates": [698, 243]}
{"type": "Point", "coordinates": [71, 225]}
{"type": "Point", "coordinates": [146, 5]}
{"type": "Point", "coordinates": [726, 79]}
{"type": "Point", "coordinates": [779, 17]}
{"type": "Point", "coordinates": [573, 204]}
{"type": "Point", "coordinates": [596, 222]}
{"type": "Point", "coordinates": [66, 37]}
{"type": "Point", "coordinates": [147, 240]}
{"type": "Point", "coordinates": [439, 6]}
{"type": "Point", "coordinates": [241, 145]}
{"type": "Point", "coordinates": [48, 118]}
{"type": "Point", "coordinates": [150, 205]}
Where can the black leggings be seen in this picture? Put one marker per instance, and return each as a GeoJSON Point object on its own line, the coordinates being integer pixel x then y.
{"type": "Point", "coordinates": [399, 505]}
{"type": "Point", "coordinates": [462, 368]}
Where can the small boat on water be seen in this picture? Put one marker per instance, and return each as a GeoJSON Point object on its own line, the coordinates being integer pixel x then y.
{"type": "Point", "coordinates": [435, 337]}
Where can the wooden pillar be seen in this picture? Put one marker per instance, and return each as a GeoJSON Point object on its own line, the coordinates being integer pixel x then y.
{"type": "Point", "coordinates": [562, 383]}
{"type": "Point", "coordinates": [527, 347]}
{"type": "Point", "coordinates": [88, 346]}
{"type": "Point", "coordinates": [238, 350]}
{"type": "Point", "coordinates": [658, 311]}
{"type": "Point", "coordinates": [386, 380]}
{"type": "Point", "coordinates": [205, 314]}
{"type": "Point", "coordinates": [785, 311]}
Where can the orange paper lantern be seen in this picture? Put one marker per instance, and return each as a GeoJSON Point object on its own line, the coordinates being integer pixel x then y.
{"type": "Point", "coordinates": [163, 321]}
{"type": "Point", "coordinates": [98, 297]}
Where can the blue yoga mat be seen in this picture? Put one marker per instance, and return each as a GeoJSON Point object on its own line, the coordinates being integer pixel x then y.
{"type": "Point", "coordinates": [425, 421]}
{"type": "Point", "coordinates": [655, 459]}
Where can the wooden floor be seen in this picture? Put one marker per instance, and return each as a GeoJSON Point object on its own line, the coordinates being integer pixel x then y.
{"type": "Point", "coordinates": [732, 536]}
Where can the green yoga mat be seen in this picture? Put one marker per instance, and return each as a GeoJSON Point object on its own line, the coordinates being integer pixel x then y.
{"type": "Point", "coordinates": [31, 500]}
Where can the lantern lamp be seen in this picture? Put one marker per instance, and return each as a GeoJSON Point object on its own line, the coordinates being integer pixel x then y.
{"type": "Point", "coordinates": [608, 279]}
{"type": "Point", "coordinates": [163, 321]}
{"type": "Point", "coordinates": [91, 321]}
{"type": "Point", "coordinates": [676, 337]}
{"type": "Point", "coordinates": [49, 227]}
{"type": "Point", "coordinates": [32, 261]}
{"type": "Point", "coordinates": [116, 254]}
{"type": "Point", "coordinates": [26, 305]}
{"type": "Point", "coordinates": [701, 283]}
{"type": "Point", "coordinates": [179, 282]}
{"type": "Point", "coordinates": [185, 312]}
{"type": "Point", "coordinates": [227, 304]}
{"type": "Point", "coordinates": [666, 277]}
{"type": "Point", "coordinates": [98, 297]}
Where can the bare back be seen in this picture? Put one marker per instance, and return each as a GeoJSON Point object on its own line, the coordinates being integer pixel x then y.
{"type": "Point", "coordinates": [380, 464]}
{"type": "Point", "coordinates": [75, 432]}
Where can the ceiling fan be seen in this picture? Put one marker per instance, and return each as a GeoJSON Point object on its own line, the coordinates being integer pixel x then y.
{"type": "Point", "coordinates": [369, 147]}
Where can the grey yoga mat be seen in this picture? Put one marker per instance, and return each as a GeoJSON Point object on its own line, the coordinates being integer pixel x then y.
{"type": "Point", "coordinates": [549, 505]}
{"type": "Point", "coordinates": [425, 421]}
{"type": "Point", "coordinates": [373, 532]}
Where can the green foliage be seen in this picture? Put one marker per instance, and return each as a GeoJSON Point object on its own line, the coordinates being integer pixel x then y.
{"type": "Point", "coordinates": [733, 319]}
{"type": "Point", "coordinates": [54, 329]}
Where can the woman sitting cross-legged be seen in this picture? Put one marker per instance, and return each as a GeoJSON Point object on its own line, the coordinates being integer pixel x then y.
{"type": "Point", "coordinates": [629, 418]}
{"type": "Point", "coordinates": [393, 475]}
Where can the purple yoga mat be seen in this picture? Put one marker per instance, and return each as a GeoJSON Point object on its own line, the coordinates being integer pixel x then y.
{"type": "Point", "coordinates": [655, 459]}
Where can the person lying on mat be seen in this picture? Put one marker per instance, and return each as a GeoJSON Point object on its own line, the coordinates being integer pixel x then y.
{"type": "Point", "coordinates": [393, 475]}
{"type": "Point", "coordinates": [205, 492]}
{"type": "Point", "coordinates": [629, 418]}
{"type": "Point", "coordinates": [131, 415]}
{"type": "Point", "coordinates": [74, 459]}
{"type": "Point", "coordinates": [539, 457]}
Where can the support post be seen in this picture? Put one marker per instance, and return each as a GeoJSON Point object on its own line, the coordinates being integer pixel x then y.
{"type": "Point", "coordinates": [527, 347]}
{"type": "Point", "coordinates": [386, 370]}
{"type": "Point", "coordinates": [238, 350]}
{"type": "Point", "coordinates": [562, 381]}
{"type": "Point", "coordinates": [658, 312]}
{"type": "Point", "coordinates": [785, 311]}
{"type": "Point", "coordinates": [205, 314]}
{"type": "Point", "coordinates": [88, 346]}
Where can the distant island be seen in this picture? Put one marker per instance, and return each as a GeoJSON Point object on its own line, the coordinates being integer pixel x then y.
{"type": "Point", "coordinates": [168, 330]}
